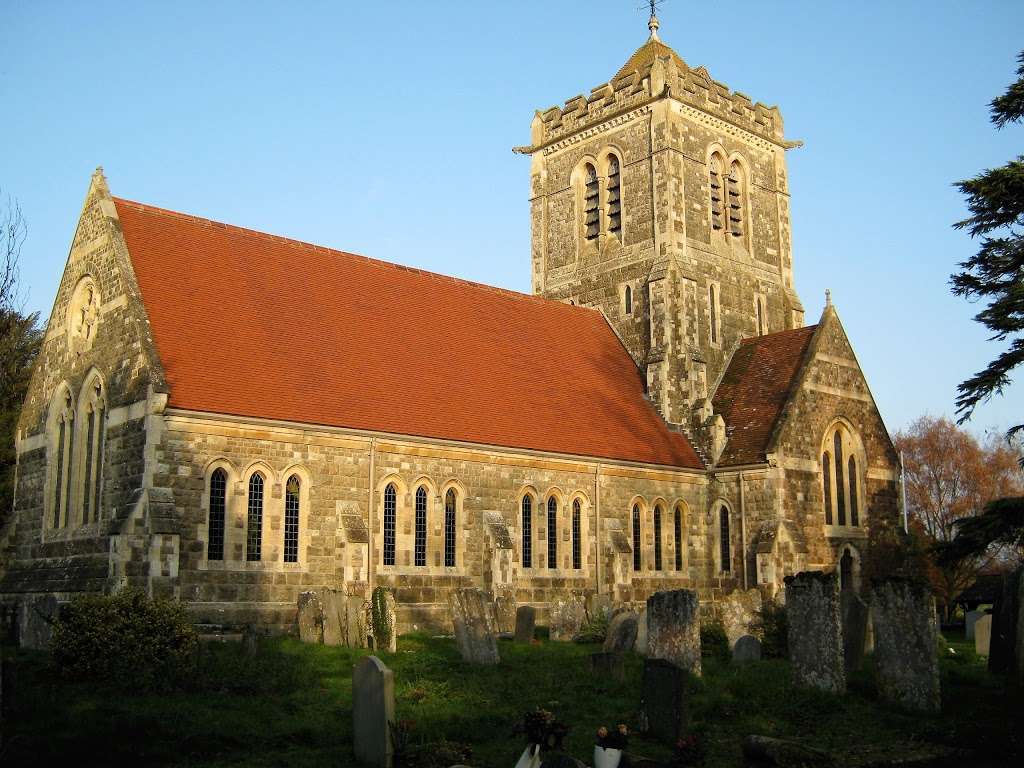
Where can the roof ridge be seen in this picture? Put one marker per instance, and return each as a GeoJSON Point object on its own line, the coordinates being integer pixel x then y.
{"type": "Point", "coordinates": [380, 263]}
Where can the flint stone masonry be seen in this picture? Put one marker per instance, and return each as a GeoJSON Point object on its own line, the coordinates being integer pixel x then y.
{"type": "Point", "coordinates": [473, 618]}
{"type": "Point", "coordinates": [567, 615]}
{"type": "Point", "coordinates": [310, 618]}
{"type": "Point", "coordinates": [526, 621]}
{"type": "Point", "coordinates": [673, 628]}
{"type": "Point", "coordinates": [905, 645]}
{"type": "Point", "coordinates": [854, 613]}
{"type": "Point", "coordinates": [373, 709]}
{"type": "Point", "coordinates": [621, 633]}
{"type": "Point", "coordinates": [815, 631]}
{"type": "Point", "coordinates": [746, 649]}
{"type": "Point", "coordinates": [35, 622]}
{"type": "Point", "coordinates": [983, 635]}
{"type": "Point", "coordinates": [664, 709]}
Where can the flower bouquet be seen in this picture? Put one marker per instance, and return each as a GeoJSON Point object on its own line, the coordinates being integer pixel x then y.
{"type": "Point", "coordinates": [609, 746]}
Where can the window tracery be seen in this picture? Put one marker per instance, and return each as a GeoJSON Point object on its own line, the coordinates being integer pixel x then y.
{"type": "Point", "coordinates": [841, 481]}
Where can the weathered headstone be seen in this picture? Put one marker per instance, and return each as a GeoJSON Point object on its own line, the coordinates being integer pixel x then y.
{"type": "Point", "coordinates": [392, 614]}
{"type": "Point", "coordinates": [250, 641]}
{"type": "Point", "coordinates": [673, 628]}
{"type": "Point", "coordinates": [664, 713]}
{"type": "Point", "coordinates": [746, 649]}
{"type": "Point", "coordinates": [526, 622]}
{"type": "Point", "coordinates": [983, 634]}
{"type": "Point", "coordinates": [35, 622]}
{"type": "Point", "coordinates": [566, 617]}
{"type": "Point", "coordinates": [815, 637]}
{"type": "Point", "coordinates": [905, 645]}
{"type": "Point", "coordinates": [310, 618]}
{"type": "Point", "coordinates": [473, 618]}
{"type": "Point", "coordinates": [607, 665]}
{"type": "Point", "coordinates": [1004, 624]}
{"type": "Point", "coordinates": [505, 611]}
{"type": "Point", "coordinates": [354, 629]}
{"type": "Point", "coordinates": [641, 632]}
{"type": "Point", "coordinates": [373, 710]}
{"type": "Point", "coordinates": [854, 615]}
{"type": "Point", "coordinates": [737, 612]}
{"type": "Point", "coordinates": [969, 621]}
{"type": "Point", "coordinates": [621, 633]}
{"type": "Point", "coordinates": [333, 604]}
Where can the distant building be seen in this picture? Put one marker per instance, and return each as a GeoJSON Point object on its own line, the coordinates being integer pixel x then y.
{"type": "Point", "coordinates": [231, 418]}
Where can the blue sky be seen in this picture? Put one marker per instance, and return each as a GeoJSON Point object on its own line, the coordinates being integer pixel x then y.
{"type": "Point", "coordinates": [386, 129]}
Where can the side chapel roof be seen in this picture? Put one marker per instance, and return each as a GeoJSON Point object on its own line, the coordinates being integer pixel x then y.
{"type": "Point", "coordinates": [253, 325]}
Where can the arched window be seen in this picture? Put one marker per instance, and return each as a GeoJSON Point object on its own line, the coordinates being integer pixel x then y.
{"type": "Point", "coordinates": [657, 538]}
{"type": "Point", "coordinates": [715, 182]}
{"type": "Point", "coordinates": [636, 537]}
{"type": "Point", "coordinates": [627, 300]}
{"type": "Point", "coordinates": [527, 532]}
{"type": "Point", "coordinates": [840, 496]}
{"type": "Point", "coordinates": [614, 202]}
{"type": "Point", "coordinates": [390, 519]}
{"type": "Point", "coordinates": [725, 551]}
{"type": "Point", "coordinates": [552, 532]}
{"type": "Point", "coordinates": [420, 547]}
{"type": "Point", "coordinates": [591, 193]}
{"type": "Point", "coordinates": [291, 519]}
{"type": "Point", "coordinates": [449, 528]}
{"type": "Point", "coordinates": [254, 519]}
{"type": "Point", "coordinates": [826, 468]}
{"type": "Point", "coordinates": [841, 466]}
{"type": "Point", "coordinates": [736, 189]}
{"type": "Point", "coordinates": [678, 530]}
{"type": "Point", "coordinates": [853, 492]}
{"type": "Point", "coordinates": [62, 430]}
{"type": "Point", "coordinates": [713, 306]}
{"type": "Point", "coordinates": [577, 554]}
{"type": "Point", "coordinates": [215, 523]}
{"type": "Point", "coordinates": [90, 419]}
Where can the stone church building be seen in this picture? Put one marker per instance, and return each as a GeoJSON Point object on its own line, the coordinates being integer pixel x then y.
{"type": "Point", "coordinates": [232, 418]}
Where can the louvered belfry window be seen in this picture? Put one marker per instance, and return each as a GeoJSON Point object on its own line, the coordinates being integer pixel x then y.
{"type": "Point", "coordinates": [736, 200]}
{"type": "Point", "coordinates": [717, 193]}
{"type": "Point", "coordinates": [614, 198]}
{"type": "Point", "coordinates": [591, 195]}
{"type": "Point", "coordinates": [215, 526]}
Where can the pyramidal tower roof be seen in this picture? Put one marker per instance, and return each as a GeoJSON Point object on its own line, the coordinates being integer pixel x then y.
{"type": "Point", "coordinates": [649, 52]}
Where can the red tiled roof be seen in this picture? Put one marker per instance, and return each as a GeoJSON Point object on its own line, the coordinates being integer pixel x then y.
{"type": "Point", "coordinates": [254, 325]}
{"type": "Point", "coordinates": [755, 387]}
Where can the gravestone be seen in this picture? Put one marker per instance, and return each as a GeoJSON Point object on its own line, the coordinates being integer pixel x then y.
{"type": "Point", "coordinates": [354, 629]}
{"type": "Point", "coordinates": [390, 609]}
{"type": "Point", "coordinates": [333, 604]}
{"type": "Point", "coordinates": [567, 616]}
{"type": "Point", "coordinates": [1003, 641]}
{"type": "Point", "coordinates": [373, 709]}
{"type": "Point", "coordinates": [608, 666]}
{"type": "Point", "coordinates": [969, 621]}
{"type": "Point", "coordinates": [35, 622]}
{"type": "Point", "coordinates": [983, 634]}
{"type": "Point", "coordinates": [746, 649]}
{"type": "Point", "coordinates": [673, 628]}
{"type": "Point", "coordinates": [310, 618]}
{"type": "Point", "coordinates": [250, 641]}
{"type": "Point", "coordinates": [621, 633]}
{"type": "Point", "coordinates": [906, 660]}
{"type": "Point", "coordinates": [664, 713]}
{"type": "Point", "coordinates": [854, 616]}
{"type": "Point", "coordinates": [505, 611]}
{"type": "Point", "coordinates": [815, 636]}
{"type": "Point", "coordinates": [641, 632]}
{"type": "Point", "coordinates": [526, 622]}
{"type": "Point", "coordinates": [473, 619]}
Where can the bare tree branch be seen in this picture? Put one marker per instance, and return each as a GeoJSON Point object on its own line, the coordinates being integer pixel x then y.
{"type": "Point", "coordinates": [13, 231]}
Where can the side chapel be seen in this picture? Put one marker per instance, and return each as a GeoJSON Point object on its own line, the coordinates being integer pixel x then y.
{"type": "Point", "coordinates": [232, 418]}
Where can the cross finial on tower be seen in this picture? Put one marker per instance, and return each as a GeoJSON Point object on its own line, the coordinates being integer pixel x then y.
{"type": "Point", "coordinates": [652, 23]}
{"type": "Point", "coordinates": [828, 298]}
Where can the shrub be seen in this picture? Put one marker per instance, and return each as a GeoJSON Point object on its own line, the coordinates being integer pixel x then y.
{"type": "Point", "coordinates": [713, 641]}
{"type": "Point", "coordinates": [125, 637]}
{"type": "Point", "coordinates": [773, 629]}
{"type": "Point", "coordinates": [595, 630]}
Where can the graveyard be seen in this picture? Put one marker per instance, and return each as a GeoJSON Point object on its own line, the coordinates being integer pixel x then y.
{"type": "Point", "coordinates": [276, 701]}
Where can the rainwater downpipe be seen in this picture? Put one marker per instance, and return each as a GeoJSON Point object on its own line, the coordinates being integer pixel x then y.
{"type": "Point", "coordinates": [597, 528]}
{"type": "Point", "coordinates": [369, 514]}
{"type": "Point", "coordinates": [743, 532]}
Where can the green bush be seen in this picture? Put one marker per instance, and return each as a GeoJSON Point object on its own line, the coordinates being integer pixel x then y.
{"type": "Point", "coordinates": [773, 629]}
{"type": "Point", "coordinates": [713, 641]}
{"type": "Point", "coordinates": [595, 629]}
{"type": "Point", "coordinates": [126, 637]}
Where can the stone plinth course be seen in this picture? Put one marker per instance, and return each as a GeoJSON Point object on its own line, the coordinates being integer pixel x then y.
{"type": "Point", "coordinates": [906, 661]}
{"type": "Point", "coordinates": [373, 710]}
{"type": "Point", "coordinates": [815, 635]}
{"type": "Point", "coordinates": [475, 630]}
{"type": "Point", "coordinates": [673, 628]}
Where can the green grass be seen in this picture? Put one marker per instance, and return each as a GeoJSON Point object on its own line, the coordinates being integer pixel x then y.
{"type": "Point", "coordinates": [291, 705]}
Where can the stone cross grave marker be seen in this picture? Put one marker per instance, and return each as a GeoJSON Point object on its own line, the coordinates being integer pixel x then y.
{"type": "Point", "coordinates": [373, 711]}
{"type": "Point", "coordinates": [473, 619]}
{"type": "Point", "coordinates": [815, 635]}
{"type": "Point", "coordinates": [673, 628]}
{"type": "Point", "coordinates": [905, 645]}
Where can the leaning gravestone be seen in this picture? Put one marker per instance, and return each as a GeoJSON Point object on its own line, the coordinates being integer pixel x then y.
{"type": "Point", "coordinates": [310, 618]}
{"type": "Point", "coordinates": [373, 710]}
{"type": "Point", "coordinates": [815, 637]}
{"type": "Point", "coordinates": [567, 615]}
{"type": "Point", "coordinates": [854, 615]}
{"type": "Point", "coordinates": [473, 618]}
{"type": "Point", "coordinates": [621, 633]}
{"type": "Point", "coordinates": [746, 649]}
{"type": "Point", "coordinates": [663, 704]}
{"type": "Point", "coordinates": [526, 622]}
{"type": "Point", "coordinates": [905, 645]}
{"type": "Point", "coordinates": [969, 621]}
{"type": "Point", "coordinates": [673, 628]}
{"type": "Point", "coordinates": [983, 634]}
{"type": "Point", "coordinates": [505, 611]}
{"type": "Point", "coordinates": [35, 622]}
